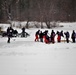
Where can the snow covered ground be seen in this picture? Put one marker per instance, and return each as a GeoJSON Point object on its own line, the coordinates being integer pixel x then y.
{"type": "Point", "coordinates": [23, 56]}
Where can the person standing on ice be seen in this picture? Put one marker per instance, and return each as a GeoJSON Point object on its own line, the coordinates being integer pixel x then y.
{"type": "Point", "coordinates": [46, 37]}
{"type": "Point", "coordinates": [58, 36]}
{"type": "Point", "coordinates": [23, 32]}
{"type": "Point", "coordinates": [41, 36]}
{"type": "Point", "coordinates": [9, 33]}
{"type": "Point", "coordinates": [73, 36]}
{"type": "Point", "coordinates": [37, 35]}
{"type": "Point", "coordinates": [61, 33]}
{"type": "Point", "coordinates": [52, 36]}
{"type": "Point", "coordinates": [67, 36]}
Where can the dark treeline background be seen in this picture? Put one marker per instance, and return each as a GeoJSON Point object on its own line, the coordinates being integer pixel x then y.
{"type": "Point", "coordinates": [38, 10]}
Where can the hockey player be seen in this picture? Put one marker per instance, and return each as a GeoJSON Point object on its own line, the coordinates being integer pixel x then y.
{"type": "Point", "coordinates": [52, 36]}
{"type": "Point", "coordinates": [9, 33]}
{"type": "Point", "coordinates": [37, 35]}
{"type": "Point", "coordinates": [67, 36]}
{"type": "Point", "coordinates": [73, 36]}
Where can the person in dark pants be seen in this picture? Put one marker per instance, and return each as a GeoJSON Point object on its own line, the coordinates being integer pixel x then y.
{"type": "Point", "coordinates": [41, 36]}
{"type": "Point", "coordinates": [61, 33]}
{"type": "Point", "coordinates": [67, 36]}
{"type": "Point", "coordinates": [23, 32]}
{"type": "Point", "coordinates": [9, 33]}
{"type": "Point", "coordinates": [52, 36]}
{"type": "Point", "coordinates": [73, 36]}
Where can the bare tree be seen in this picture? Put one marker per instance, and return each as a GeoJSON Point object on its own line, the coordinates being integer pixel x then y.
{"type": "Point", "coordinates": [40, 11]}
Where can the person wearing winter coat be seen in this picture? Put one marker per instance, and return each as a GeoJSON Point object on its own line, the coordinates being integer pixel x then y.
{"type": "Point", "coordinates": [52, 36]}
{"type": "Point", "coordinates": [23, 32]}
{"type": "Point", "coordinates": [41, 36]}
{"type": "Point", "coordinates": [67, 36]}
{"type": "Point", "coordinates": [46, 39]}
{"type": "Point", "coordinates": [9, 33]}
{"type": "Point", "coordinates": [45, 36]}
{"type": "Point", "coordinates": [61, 33]}
{"type": "Point", "coordinates": [37, 35]}
{"type": "Point", "coordinates": [58, 36]}
{"type": "Point", "coordinates": [73, 36]}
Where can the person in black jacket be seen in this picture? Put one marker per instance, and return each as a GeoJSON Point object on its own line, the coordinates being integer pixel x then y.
{"type": "Point", "coordinates": [37, 35]}
{"type": "Point", "coordinates": [73, 36]}
{"type": "Point", "coordinates": [9, 33]}
{"type": "Point", "coordinates": [67, 36]}
{"type": "Point", "coordinates": [61, 33]}
{"type": "Point", "coordinates": [46, 37]}
{"type": "Point", "coordinates": [52, 36]}
{"type": "Point", "coordinates": [41, 36]}
{"type": "Point", "coordinates": [23, 32]}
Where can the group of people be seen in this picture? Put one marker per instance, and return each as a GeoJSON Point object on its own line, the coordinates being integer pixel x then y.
{"type": "Point", "coordinates": [44, 37]}
{"type": "Point", "coordinates": [13, 33]}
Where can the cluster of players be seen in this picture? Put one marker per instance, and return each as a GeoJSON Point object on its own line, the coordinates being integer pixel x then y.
{"type": "Point", "coordinates": [14, 33]}
{"type": "Point", "coordinates": [44, 37]}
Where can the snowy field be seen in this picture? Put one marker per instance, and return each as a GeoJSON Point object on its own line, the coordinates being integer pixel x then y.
{"type": "Point", "coordinates": [23, 56]}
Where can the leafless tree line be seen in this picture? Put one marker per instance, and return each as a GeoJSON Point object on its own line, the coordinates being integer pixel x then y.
{"type": "Point", "coordinates": [38, 10]}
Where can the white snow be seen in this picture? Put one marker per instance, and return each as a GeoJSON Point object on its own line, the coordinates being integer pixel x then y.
{"type": "Point", "coordinates": [23, 56]}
